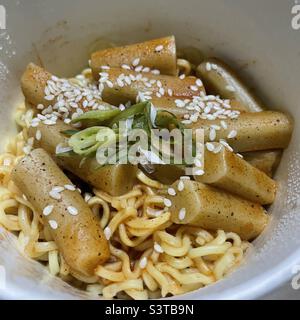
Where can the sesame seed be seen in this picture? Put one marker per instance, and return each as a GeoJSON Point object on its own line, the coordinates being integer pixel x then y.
{"type": "Point", "coordinates": [155, 71]}
{"type": "Point", "coordinates": [53, 224]}
{"type": "Point", "coordinates": [186, 121]}
{"type": "Point", "coordinates": [143, 262]}
{"type": "Point", "coordinates": [194, 117]}
{"type": "Point", "coordinates": [146, 69]}
{"type": "Point", "coordinates": [223, 124]}
{"type": "Point", "coordinates": [170, 92]}
{"type": "Point", "coordinates": [161, 91]}
{"type": "Point", "coordinates": [240, 155]}
{"type": "Point", "coordinates": [69, 187]}
{"type": "Point", "coordinates": [214, 126]}
{"type": "Point", "coordinates": [171, 192]}
{"type": "Point", "coordinates": [182, 213]}
{"type": "Point", "coordinates": [87, 197]}
{"type": "Point", "coordinates": [138, 69]}
{"type": "Point", "coordinates": [27, 149]}
{"type": "Point", "coordinates": [194, 88]}
{"type": "Point", "coordinates": [159, 84]}
{"type": "Point", "coordinates": [182, 76]}
{"type": "Point", "coordinates": [198, 163]}
{"type": "Point", "coordinates": [158, 248]}
{"type": "Point", "coordinates": [104, 74]}
{"type": "Point", "coordinates": [55, 195]}
{"type": "Point", "coordinates": [179, 103]}
{"type": "Point", "coordinates": [199, 172]}
{"type": "Point", "coordinates": [180, 186]}
{"type": "Point", "coordinates": [159, 48]}
{"type": "Point", "coordinates": [40, 106]}
{"type": "Point", "coordinates": [72, 210]}
{"type": "Point", "coordinates": [127, 80]}
{"type": "Point", "coordinates": [208, 66]}
{"type": "Point", "coordinates": [135, 62]}
{"type": "Point", "coordinates": [105, 67]}
{"type": "Point", "coordinates": [120, 83]}
{"type": "Point", "coordinates": [47, 210]}
{"type": "Point", "coordinates": [214, 66]}
{"type": "Point", "coordinates": [107, 233]}
{"type": "Point", "coordinates": [167, 202]}
{"type": "Point", "coordinates": [210, 146]}
{"type": "Point", "coordinates": [49, 97]}
{"type": "Point", "coordinates": [218, 148]}
{"type": "Point", "coordinates": [49, 122]}
{"type": "Point", "coordinates": [230, 88]}
{"type": "Point", "coordinates": [212, 134]}
{"type": "Point", "coordinates": [232, 134]}
{"type": "Point", "coordinates": [125, 66]}
{"type": "Point", "coordinates": [58, 189]}
{"type": "Point", "coordinates": [110, 84]}
{"type": "Point", "coordinates": [38, 135]}
{"type": "Point", "coordinates": [199, 83]}
{"type": "Point", "coordinates": [47, 91]}
{"type": "Point", "coordinates": [185, 178]}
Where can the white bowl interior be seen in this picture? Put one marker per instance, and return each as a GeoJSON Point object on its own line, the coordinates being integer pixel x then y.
{"type": "Point", "coordinates": [255, 37]}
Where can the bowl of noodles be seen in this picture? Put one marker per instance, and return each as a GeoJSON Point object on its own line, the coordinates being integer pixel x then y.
{"type": "Point", "coordinates": [204, 204]}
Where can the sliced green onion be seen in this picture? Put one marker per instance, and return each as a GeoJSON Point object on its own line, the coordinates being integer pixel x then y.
{"type": "Point", "coordinates": [67, 154]}
{"type": "Point", "coordinates": [84, 142]}
{"type": "Point", "coordinates": [97, 116]}
{"type": "Point", "coordinates": [165, 118]}
{"type": "Point", "coordinates": [69, 132]}
{"type": "Point", "coordinates": [129, 112]}
{"type": "Point", "coordinates": [106, 137]}
{"type": "Point", "coordinates": [87, 141]}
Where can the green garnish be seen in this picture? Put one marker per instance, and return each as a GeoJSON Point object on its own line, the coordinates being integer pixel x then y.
{"type": "Point", "coordinates": [69, 132]}
{"type": "Point", "coordinates": [87, 141]}
{"type": "Point", "coordinates": [129, 112]}
{"type": "Point", "coordinates": [67, 154]}
{"type": "Point", "coordinates": [166, 119]}
{"type": "Point", "coordinates": [143, 115]}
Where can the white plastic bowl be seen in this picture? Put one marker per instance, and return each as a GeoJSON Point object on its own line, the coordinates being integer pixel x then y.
{"type": "Point", "coordinates": [253, 36]}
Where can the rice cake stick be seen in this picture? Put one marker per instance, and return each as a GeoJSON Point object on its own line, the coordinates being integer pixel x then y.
{"type": "Point", "coordinates": [75, 229]}
{"type": "Point", "coordinates": [212, 209]}
{"type": "Point", "coordinates": [113, 179]}
{"type": "Point", "coordinates": [159, 54]}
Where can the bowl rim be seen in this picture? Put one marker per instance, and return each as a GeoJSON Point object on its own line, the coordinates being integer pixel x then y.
{"type": "Point", "coordinates": [254, 288]}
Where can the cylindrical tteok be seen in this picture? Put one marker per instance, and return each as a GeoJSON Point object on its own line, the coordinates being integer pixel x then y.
{"type": "Point", "coordinates": [158, 54]}
{"type": "Point", "coordinates": [75, 229]}
{"type": "Point", "coordinates": [253, 131]}
{"type": "Point", "coordinates": [121, 86]}
{"type": "Point", "coordinates": [229, 172]}
{"type": "Point", "coordinates": [113, 179]}
{"type": "Point", "coordinates": [214, 209]}
{"type": "Point", "coordinates": [33, 83]}
{"type": "Point", "coordinates": [220, 79]}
